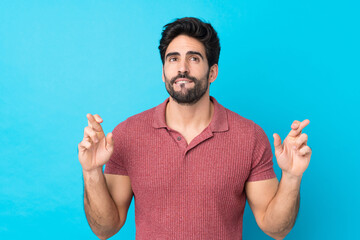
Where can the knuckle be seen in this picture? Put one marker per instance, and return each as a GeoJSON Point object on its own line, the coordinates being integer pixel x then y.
{"type": "Point", "coordinates": [90, 131]}
{"type": "Point", "coordinates": [305, 150]}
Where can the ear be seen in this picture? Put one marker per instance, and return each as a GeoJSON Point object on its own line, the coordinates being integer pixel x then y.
{"type": "Point", "coordinates": [162, 75]}
{"type": "Point", "coordinates": [213, 72]}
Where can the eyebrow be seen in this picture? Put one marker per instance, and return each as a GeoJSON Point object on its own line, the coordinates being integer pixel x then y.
{"type": "Point", "coordinates": [172, 54]}
{"type": "Point", "coordinates": [188, 53]}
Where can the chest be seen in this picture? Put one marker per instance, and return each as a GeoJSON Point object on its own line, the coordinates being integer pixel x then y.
{"type": "Point", "coordinates": [214, 166]}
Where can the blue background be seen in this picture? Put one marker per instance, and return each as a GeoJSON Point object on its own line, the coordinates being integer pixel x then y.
{"type": "Point", "coordinates": [280, 61]}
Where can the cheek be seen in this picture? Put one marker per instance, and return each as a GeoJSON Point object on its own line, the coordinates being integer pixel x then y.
{"type": "Point", "coordinates": [169, 68]}
{"type": "Point", "coordinates": [169, 72]}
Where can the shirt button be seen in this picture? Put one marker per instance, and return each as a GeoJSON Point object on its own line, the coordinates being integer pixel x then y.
{"type": "Point", "coordinates": [178, 138]}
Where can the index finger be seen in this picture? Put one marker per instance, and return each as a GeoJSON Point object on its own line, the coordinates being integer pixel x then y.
{"type": "Point", "coordinates": [298, 127]}
{"type": "Point", "coordinates": [93, 123]}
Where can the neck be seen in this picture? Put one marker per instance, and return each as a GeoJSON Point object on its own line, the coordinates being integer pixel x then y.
{"type": "Point", "coordinates": [189, 117]}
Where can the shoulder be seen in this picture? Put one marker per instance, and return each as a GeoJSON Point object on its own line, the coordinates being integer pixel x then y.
{"type": "Point", "coordinates": [239, 123]}
{"type": "Point", "coordinates": [235, 118]}
{"type": "Point", "coordinates": [136, 122]}
{"type": "Point", "coordinates": [243, 126]}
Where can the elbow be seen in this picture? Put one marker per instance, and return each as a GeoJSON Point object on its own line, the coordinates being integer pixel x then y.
{"type": "Point", "coordinates": [105, 232]}
{"type": "Point", "coordinates": [105, 235]}
{"type": "Point", "coordinates": [275, 231]}
{"type": "Point", "coordinates": [278, 234]}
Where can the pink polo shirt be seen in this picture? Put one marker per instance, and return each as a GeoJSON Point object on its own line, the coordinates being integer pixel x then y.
{"type": "Point", "coordinates": [193, 191]}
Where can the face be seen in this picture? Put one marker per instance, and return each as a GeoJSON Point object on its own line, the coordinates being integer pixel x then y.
{"type": "Point", "coordinates": [186, 72]}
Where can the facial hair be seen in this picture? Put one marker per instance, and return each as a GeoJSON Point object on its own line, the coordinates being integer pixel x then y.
{"type": "Point", "coordinates": [187, 96]}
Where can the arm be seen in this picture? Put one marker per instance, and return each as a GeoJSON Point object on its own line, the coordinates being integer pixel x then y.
{"type": "Point", "coordinates": [106, 202]}
{"type": "Point", "coordinates": [276, 210]}
{"type": "Point", "coordinates": [275, 206]}
{"type": "Point", "coordinates": [106, 198]}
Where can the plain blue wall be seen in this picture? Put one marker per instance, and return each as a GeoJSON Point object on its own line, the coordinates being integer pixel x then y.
{"type": "Point", "coordinates": [280, 61]}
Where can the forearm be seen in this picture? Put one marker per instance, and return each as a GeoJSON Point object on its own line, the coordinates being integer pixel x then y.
{"type": "Point", "coordinates": [100, 209]}
{"type": "Point", "coordinates": [281, 213]}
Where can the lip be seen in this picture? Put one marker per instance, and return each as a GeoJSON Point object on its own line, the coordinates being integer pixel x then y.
{"type": "Point", "coordinates": [183, 79]}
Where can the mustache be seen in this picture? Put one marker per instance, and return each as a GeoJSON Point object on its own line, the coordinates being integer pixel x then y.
{"type": "Point", "coordinates": [183, 75]}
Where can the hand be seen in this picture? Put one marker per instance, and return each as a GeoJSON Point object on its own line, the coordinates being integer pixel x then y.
{"type": "Point", "coordinates": [95, 149]}
{"type": "Point", "coordinates": [293, 156]}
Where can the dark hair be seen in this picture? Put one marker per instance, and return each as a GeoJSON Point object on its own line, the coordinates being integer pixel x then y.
{"type": "Point", "coordinates": [192, 27]}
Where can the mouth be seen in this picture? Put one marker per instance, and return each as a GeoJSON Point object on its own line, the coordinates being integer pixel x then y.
{"type": "Point", "coordinates": [182, 81]}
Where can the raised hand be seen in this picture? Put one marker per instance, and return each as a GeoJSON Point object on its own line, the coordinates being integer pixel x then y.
{"type": "Point", "coordinates": [293, 156]}
{"type": "Point", "coordinates": [95, 149]}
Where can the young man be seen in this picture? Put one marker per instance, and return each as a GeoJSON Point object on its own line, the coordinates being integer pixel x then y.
{"type": "Point", "coordinates": [190, 163]}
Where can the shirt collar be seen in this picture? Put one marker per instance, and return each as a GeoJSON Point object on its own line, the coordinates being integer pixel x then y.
{"type": "Point", "coordinates": [219, 122]}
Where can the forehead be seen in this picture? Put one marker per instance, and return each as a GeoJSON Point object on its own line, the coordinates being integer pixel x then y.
{"type": "Point", "coordinates": [183, 43]}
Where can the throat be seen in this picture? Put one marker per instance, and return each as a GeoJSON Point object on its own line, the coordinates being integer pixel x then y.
{"type": "Point", "coordinates": [189, 121]}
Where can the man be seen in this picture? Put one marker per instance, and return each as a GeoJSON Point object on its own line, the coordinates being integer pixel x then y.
{"type": "Point", "coordinates": [190, 163]}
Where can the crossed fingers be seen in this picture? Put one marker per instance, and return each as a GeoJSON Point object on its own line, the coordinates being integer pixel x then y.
{"type": "Point", "coordinates": [300, 143]}
{"type": "Point", "coordinates": [93, 131]}
{"type": "Point", "coordinates": [297, 127]}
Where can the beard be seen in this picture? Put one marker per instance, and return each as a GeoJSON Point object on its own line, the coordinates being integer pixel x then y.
{"type": "Point", "coordinates": [187, 96]}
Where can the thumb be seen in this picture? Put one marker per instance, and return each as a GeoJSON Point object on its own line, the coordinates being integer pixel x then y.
{"type": "Point", "coordinates": [277, 144]}
{"type": "Point", "coordinates": [109, 143]}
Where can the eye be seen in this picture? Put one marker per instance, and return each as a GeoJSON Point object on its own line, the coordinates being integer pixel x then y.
{"type": "Point", "coordinates": [172, 59]}
{"type": "Point", "coordinates": [196, 59]}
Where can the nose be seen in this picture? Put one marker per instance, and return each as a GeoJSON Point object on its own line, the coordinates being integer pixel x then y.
{"type": "Point", "coordinates": [183, 67]}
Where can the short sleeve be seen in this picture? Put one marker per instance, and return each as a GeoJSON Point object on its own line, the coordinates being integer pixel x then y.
{"type": "Point", "coordinates": [117, 163]}
{"type": "Point", "coordinates": [262, 164]}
